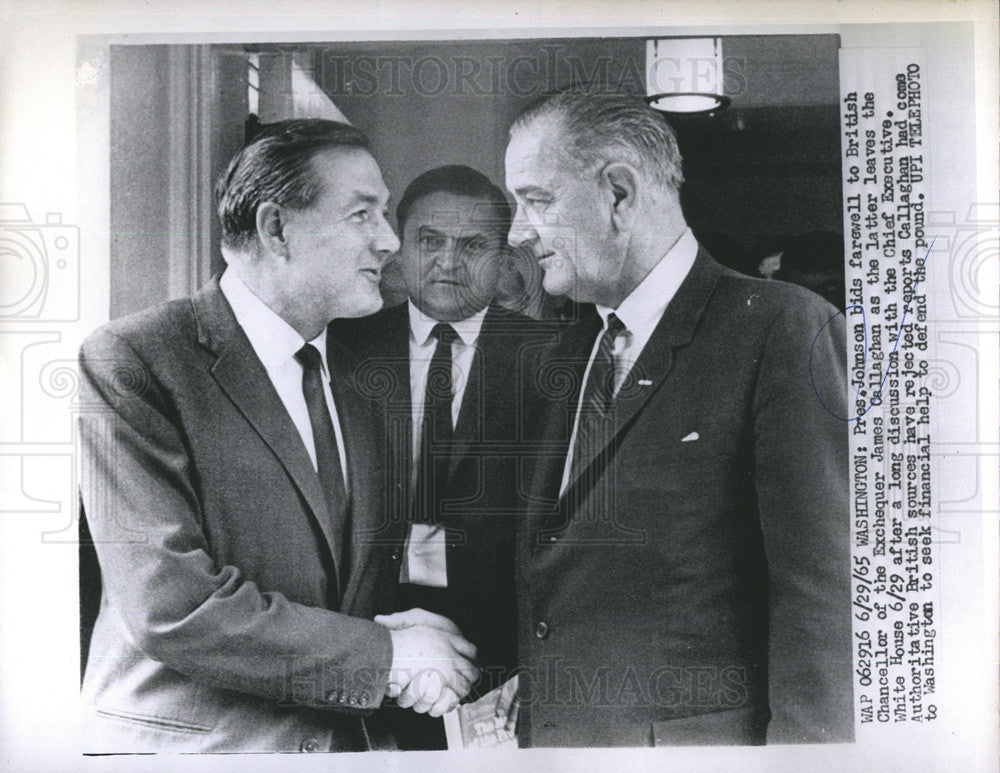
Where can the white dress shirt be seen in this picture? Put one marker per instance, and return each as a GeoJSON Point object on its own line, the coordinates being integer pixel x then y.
{"type": "Point", "coordinates": [640, 312]}
{"type": "Point", "coordinates": [425, 562]}
{"type": "Point", "coordinates": [275, 343]}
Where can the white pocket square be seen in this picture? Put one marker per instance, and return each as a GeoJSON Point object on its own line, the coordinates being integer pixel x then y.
{"type": "Point", "coordinates": [689, 438]}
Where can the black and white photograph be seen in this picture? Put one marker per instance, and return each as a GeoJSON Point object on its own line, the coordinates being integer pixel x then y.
{"type": "Point", "coordinates": [423, 387]}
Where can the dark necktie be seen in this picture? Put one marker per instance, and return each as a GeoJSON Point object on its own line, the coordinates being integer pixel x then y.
{"type": "Point", "coordinates": [328, 469]}
{"type": "Point", "coordinates": [596, 423]}
{"type": "Point", "coordinates": [435, 430]}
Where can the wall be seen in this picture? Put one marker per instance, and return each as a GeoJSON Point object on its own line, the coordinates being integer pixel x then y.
{"type": "Point", "coordinates": [176, 117]}
{"type": "Point", "coordinates": [139, 177]}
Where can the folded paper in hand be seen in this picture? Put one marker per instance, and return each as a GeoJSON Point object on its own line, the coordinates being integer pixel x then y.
{"type": "Point", "coordinates": [476, 726]}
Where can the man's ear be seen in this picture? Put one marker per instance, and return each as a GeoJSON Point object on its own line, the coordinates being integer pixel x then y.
{"type": "Point", "coordinates": [271, 228]}
{"type": "Point", "coordinates": [623, 183]}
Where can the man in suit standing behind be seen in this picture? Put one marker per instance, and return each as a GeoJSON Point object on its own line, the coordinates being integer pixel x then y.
{"type": "Point", "coordinates": [453, 364]}
{"type": "Point", "coordinates": [230, 479]}
{"type": "Point", "coordinates": [683, 570]}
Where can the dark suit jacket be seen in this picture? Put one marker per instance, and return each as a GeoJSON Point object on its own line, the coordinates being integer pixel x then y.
{"type": "Point", "coordinates": [486, 487]}
{"type": "Point", "coordinates": [692, 586]}
{"type": "Point", "coordinates": [223, 625]}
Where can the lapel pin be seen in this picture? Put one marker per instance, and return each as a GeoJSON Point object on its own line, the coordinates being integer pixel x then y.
{"type": "Point", "coordinates": [645, 382]}
{"type": "Point", "coordinates": [689, 438]}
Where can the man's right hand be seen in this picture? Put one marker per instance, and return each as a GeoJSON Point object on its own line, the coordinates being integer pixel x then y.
{"type": "Point", "coordinates": [432, 664]}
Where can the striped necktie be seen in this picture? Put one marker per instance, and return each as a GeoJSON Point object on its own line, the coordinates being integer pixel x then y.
{"type": "Point", "coordinates": [596, 423]}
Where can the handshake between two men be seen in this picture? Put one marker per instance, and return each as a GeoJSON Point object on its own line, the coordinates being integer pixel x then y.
{"type": "Point", "coordinates": [433, 666]}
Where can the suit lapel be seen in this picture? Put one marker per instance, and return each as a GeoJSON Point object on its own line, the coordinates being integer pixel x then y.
{"type": "Point", "coordinates": [561, 379]}
{"type": "Point", "coordinates": [381, 371]}
{"type": "Point", "coordinates": [393, 344]}
{"type": "Point", "coordinates": [477, 413]}
{"type": "Point", "coordinates": [471, 414]}
{"type": "Point", "coordinates": [364, 469]}
{"type": "Point", "coordinates": [397, 347]}
{"type": "Point", "coordinates": [242, 376]}
{"type": "Point", "coordinates": [674, 330]}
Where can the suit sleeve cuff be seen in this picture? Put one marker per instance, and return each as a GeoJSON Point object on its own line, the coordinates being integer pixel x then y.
{"type": "Point", "coordinates": [362, 686]}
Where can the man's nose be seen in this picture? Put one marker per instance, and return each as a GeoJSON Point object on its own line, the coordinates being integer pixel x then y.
{"type": "Point", "coordinates": [449, 258]}
{"type": "Point", "coordinates": [521, 230]}
{"type": "Point", "coordinates": [386, 242]}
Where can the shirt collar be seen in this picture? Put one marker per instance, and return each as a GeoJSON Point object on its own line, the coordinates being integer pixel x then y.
{"type": "Point", "coordinates": [274, 340]}
{"type": "Point", "coordinates": [641, 311]}
{"type": "Point", "coordinates": [421, 326]}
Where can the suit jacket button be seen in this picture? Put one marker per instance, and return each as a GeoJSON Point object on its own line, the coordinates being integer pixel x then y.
{"type": "Point", "coordinates": [542, 630]}
{"type": "Point", "coordinates": [309, 745]}
{"type": "Point", "coordinates": [331, 697]}
{"type": "Point", "coordinates": [365, 697]}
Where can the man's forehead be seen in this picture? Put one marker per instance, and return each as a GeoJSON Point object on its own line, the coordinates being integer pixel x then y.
{"type": "Point", "coordinates": [523, 149]}
{"type": "Point", "coordinates": [532, 154]}
{"type": "Point", "coordinates": [539, 132]}
{"type": "Point", "coordinates": [459, 230]}
{"type": "Point", "coordinates": [533, 174]}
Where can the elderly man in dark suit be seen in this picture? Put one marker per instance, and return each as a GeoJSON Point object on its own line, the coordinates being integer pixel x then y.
{"type": "Point", "coordinates": [453, 364]}
{"type": "Point", "coordinates": [232, 481]}
{"type": "Point", "coordinates": [683, 568]}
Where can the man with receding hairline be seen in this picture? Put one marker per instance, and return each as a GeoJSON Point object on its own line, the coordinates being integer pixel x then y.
{"type": "Point", "coordinates": [683, 571]}
{"type": "Point", "coordinates": [233, 479]}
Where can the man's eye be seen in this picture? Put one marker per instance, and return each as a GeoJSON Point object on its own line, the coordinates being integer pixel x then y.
{"type": "Point", "coordinates": [477, 246]}
{"type": "Point", "coordinates": [434, 243]}
{"type": "Point", "coordinates": [360, 216]}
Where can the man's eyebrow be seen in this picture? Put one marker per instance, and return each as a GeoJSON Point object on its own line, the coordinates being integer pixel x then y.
{"type": "Point", "coordinates": [478, 238]}
{"type": "Point", "coordinates": [426, 230]}
{"type": "Point", "coordinates": [526, 189]}
{"type": "Point", "coordinates": [366, 198]}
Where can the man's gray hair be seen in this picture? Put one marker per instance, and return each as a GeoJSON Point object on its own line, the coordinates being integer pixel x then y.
{"type": "Point", "coordinates": [599, 127]}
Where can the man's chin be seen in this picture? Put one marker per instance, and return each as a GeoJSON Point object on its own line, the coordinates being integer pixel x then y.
{"type": "Point", "coordinates": [556, 283]}
{"type": "Point", "coordinates": [451, 306]}
{"type": "Point", "coordinates": [362, 306]}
